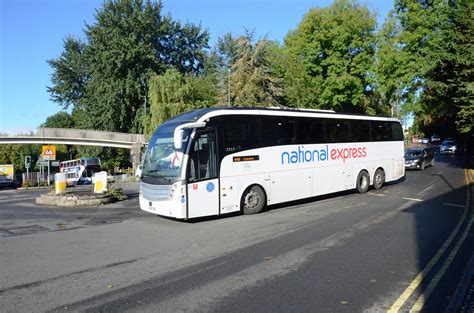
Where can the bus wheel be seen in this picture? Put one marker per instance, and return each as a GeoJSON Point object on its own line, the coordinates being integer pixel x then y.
{"type": "Point", "coordinates": [379, 178]}
{"type": "Point", "coordinates": [363, 182]}
{"type": "Point", "coordinates": [253, 200]}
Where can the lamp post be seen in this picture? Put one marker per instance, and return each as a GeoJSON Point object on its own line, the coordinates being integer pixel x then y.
{"type": "Point", "coordinates": [228, 97]}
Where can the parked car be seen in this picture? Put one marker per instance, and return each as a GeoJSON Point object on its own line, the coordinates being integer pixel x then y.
{"type": "Point", "coordinates": [448, 147]}
{"type": "Point", "coordinates": [435, 139]}
{"type": "Point", "coordinates": [419, 158]}
{"type": "Point", "coordinates": [425, 140]}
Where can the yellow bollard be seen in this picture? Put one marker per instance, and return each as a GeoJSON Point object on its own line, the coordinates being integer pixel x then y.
{"type": "Point", "coordinates": [60, 183]}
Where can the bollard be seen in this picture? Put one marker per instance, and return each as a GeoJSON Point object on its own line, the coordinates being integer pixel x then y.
{"type": "Point", "coordinates": [60, 183]}
{"type": "Point", "coordinates": [100, 182]}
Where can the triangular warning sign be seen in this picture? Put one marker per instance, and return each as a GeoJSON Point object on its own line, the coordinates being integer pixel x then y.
{"type": "Point", "coordinates": [49, 151]}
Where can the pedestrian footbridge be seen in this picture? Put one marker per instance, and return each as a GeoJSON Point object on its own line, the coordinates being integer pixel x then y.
{"type": "Point", "coordinates": [84, 137]}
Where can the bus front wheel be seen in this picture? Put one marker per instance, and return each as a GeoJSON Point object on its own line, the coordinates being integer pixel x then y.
{"type": "Point", "coordinates": [253, 200]}
{"type": "Point", "coordinates": [363, 182]}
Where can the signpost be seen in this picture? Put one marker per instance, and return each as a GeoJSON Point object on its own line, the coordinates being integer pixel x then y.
{"type": "Point", "coordinates": [49, 154]}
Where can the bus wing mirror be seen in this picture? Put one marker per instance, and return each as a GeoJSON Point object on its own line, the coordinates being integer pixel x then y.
{"type": "Point", "coordinates": [178, 133]}
{"type": "Point", "coordinates": [178, 138]}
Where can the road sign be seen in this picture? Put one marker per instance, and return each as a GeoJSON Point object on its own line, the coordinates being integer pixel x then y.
{"type": "Point", "coordinates": [45, 163]}
{"type": "Point", "coordinates": [49, 153]}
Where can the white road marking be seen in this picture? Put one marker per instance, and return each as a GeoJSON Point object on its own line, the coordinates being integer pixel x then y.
{"type": "Point", "coordinates": [413, 199]}
{"type": "Point", "coordinates": [376, 194]}
{"type": "Point", "coordinates": [455, 205]}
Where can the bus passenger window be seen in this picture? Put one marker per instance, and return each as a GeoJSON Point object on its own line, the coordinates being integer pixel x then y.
{"type": "Point", "coordinates": [241, 133]}
{"type": "Point", "coordinates": [278, 130]}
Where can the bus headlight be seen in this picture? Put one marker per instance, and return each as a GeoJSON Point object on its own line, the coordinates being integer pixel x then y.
{"type": "Point", "coordinates": [173, 190]}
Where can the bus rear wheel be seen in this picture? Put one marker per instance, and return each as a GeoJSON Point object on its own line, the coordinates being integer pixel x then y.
{"type": "Point", "coordinates": [363, 182]}
{"type": "Point", "coordinates": [379, 178]}
{"type": "Point", "coordinates": [253, 200]}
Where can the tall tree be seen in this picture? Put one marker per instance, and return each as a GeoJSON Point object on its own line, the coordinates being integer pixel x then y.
{"type": "Point", "coordinates": [59, 120]}
{"type": "Point", "coordinates": [129, 40]}
{"type": "Point", "coordinates": [425, 60]}
{"type": "Point", "coordinates": [173, 93]}
{"type": "Point", "coordinates": [328, 58]}
{"type": "Point", "coordinates": [253, 81]}
{"type": "Point", "coordinates": [448, 95]}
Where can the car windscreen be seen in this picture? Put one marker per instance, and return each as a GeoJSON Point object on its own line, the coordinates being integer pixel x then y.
{"type": "Point", "coordinates": [413, 153]}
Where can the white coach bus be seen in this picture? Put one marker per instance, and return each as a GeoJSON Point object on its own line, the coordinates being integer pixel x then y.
{"type": "Point", "coordinates": [219, 160]}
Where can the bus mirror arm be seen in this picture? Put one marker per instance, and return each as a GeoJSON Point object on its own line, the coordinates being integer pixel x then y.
{"type": "Point", "coordinates": [178, 133]}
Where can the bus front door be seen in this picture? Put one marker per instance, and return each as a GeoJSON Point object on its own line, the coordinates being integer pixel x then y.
{"type": "Point", "coordinates": [203, 186]}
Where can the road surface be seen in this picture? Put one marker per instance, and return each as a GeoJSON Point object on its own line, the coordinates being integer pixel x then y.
{"type": "Point", "coordinates": [399, 248]}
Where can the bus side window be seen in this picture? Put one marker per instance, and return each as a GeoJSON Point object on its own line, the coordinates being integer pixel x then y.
{"type": "Point", "coordinates": [360, 130]}
{"type": "Point", "coordinates": [311, 130]}
{"type": "Point", "coordinates": [381, 131]}
{"type": "Point", "coordinates": [337, 130]}
{"type": "Point", "coordinates": [397, 131]}
{"type": "Point", "coordinates": [241, 133]}
{"type": "Point", "coordinates": [278, 130]}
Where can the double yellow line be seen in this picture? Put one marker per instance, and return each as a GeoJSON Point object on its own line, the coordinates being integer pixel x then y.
{"type": "Point", "coordinates": [469, 178]}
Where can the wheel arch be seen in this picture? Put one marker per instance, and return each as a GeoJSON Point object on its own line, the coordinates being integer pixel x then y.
{"type": "Point", "coordinates": [247, 187]}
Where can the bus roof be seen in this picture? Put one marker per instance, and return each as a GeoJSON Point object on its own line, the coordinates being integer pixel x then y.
{"type": "Point", "coordinates": [205, 113]}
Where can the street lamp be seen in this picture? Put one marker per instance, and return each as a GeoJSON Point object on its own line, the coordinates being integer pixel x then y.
{"type": "Point", "coordinates": [228, 97]}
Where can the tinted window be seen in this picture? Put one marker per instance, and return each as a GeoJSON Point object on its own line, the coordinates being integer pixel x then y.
{"type": "Point", "coordinates": [381, 131]}
{"type": "Point", "coordinates": [360, 130]}
{"type": "Point", "coordinates": [241, 133]}
{"type": "Point", "coordinates": [278, 130]}
{"type": "Point", "coordinates": [311, 130]}
{"type": "Point", "coordinates": [337, 130]}
{"type": "Point", "coordinates": [397, 132]}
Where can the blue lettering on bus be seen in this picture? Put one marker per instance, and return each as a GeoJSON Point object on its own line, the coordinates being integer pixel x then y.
{"type": "Point", "coordinates": [305, 156]}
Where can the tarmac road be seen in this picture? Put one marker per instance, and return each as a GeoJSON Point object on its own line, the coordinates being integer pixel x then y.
{"type": "Point", "coordinates": [342, 253]}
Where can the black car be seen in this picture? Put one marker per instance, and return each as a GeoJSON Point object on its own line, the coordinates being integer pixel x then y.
{"type": "Point", "coordinates": [419, 158]}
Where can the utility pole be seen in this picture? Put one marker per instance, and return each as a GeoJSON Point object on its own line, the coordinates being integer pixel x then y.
{"type": "Point", "coordinates": [228, 98]}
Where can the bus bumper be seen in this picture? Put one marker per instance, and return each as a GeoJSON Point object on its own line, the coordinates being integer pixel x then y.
{"type": "Point", "coordinates": [169, 208]}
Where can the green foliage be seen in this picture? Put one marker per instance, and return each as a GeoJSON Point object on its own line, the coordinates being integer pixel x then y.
{"type": "Point", "coordinates": [253, 81]}
{"type": "Point", "coordinates": [449, 89]}
{"type": "Point", "coordinates": [70, 74]}
{"type": "Point", "coordinates": [15, 154]}
{"type": "Point", "coordinates": [328, 58]}
{"type": "Point", "coordinates": [59, 120]}
{"type": "Point", "coordinates": [105, 78]}
{"type": "Point", "coordinates": [424, 63]}
{"type": "Point", "coordinates": [173, 93]}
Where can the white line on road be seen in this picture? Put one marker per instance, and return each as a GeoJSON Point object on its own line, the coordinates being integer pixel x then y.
{"type": "Point", "coordinates": [455, 205]}
{"type": "Point", "coordinates": [413, 199]}
{"type": "Point", "coordinates": [376, 194]}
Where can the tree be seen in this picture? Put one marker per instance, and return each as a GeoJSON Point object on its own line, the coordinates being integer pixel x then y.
{"type": "Point", "coordinates": [253, 81]}
{"type": "Point", "coordinates": [425, 62]}
{"type": "Point", "coordinates": [59, 120]}
{"type": "Point", "coordinates": [105, 78]}
{"type": "Point", "coordinates": [70, 74]}
{"type": "Point", "coordinates": [173, 93]}
{"type": "Point", "coordinates": [448, 95]}
{"type": "Point", "coordinates": [328, 58]}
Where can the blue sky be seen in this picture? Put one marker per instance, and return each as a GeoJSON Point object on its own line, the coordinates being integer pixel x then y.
{"type": "Point", "coordinates": [32, 32]}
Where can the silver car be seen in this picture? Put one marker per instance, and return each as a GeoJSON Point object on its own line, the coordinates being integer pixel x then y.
{"type": "Point", "coordinates": [448, 147]}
